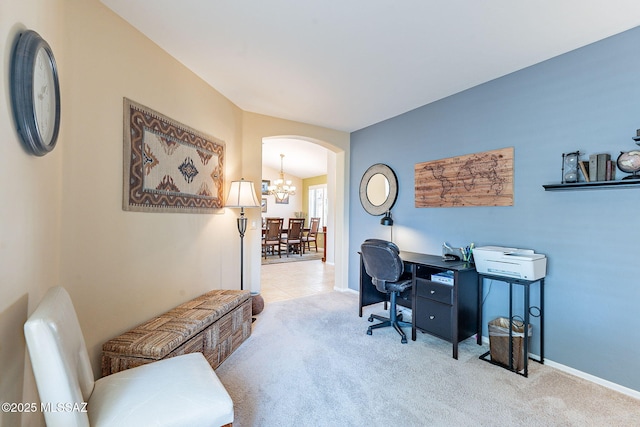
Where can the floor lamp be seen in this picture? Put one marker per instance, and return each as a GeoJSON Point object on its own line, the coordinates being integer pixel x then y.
{"type": "Point", "coordinates": [242, 195]}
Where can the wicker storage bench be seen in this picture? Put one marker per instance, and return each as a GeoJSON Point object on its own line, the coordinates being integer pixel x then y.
{"type": "Point", "coordinates": [214, 324]}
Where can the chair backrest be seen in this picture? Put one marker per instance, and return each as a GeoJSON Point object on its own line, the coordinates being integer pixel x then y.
{"type": "Point", "coordinates": [59, 358]}
{"type": "Point", "coordinates": [382, 262]}
{"type": "Point", "coordinates": [273, 228]}
{"type": "Point", "coordinates": [295, 228]}
{"type": "Point", "coordinates": [314, 223]}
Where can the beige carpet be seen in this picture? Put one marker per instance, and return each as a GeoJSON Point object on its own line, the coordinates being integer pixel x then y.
{"type": "Point", "coordinates": [309, 362]}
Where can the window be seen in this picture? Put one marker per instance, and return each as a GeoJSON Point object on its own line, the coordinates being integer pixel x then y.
{"type": "Point", "coordinates": [318, 203]}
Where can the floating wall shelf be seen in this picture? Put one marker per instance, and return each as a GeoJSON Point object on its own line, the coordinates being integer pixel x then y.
{"type": "Point", "coordinates": [597, 185]}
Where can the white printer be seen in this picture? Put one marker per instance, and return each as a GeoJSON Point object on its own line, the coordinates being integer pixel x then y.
{"type": "Point", "coordinates": [510, 262]}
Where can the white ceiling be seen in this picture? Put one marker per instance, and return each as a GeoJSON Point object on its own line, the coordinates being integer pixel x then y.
{"type": "Point", "coordinates": [301, 158]}
{"type": "Point", "coordinates": [347, 64]}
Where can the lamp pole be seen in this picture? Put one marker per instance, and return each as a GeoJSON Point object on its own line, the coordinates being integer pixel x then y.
{"type": "Point", "coordinates": [387, 220]}
{"type": "Point", "coordinates": [242, 227]}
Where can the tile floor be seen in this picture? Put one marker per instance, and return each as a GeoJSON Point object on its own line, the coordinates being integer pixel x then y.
{"type": "Point", "coordinates": [295, 279]}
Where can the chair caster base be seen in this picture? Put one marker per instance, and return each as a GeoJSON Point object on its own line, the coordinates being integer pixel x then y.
{"type": "Point", "coordinates": [369, 332]}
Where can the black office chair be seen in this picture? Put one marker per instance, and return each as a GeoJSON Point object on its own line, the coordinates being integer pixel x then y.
{"type": "Point", "coordinates": [383, 263]}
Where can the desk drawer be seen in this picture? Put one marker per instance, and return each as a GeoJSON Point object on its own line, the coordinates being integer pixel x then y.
{"type": "Point", "coordinates": [433, 317]}
{"type": "Point", "coordinates": [434, 290]}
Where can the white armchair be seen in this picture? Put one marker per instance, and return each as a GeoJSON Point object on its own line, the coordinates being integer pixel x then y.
{"type": "Point", "coordinates": [180, 391]}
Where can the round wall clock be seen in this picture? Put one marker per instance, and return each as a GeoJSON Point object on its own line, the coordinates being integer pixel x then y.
{"type": "Point", "coordinates": [35, 93]}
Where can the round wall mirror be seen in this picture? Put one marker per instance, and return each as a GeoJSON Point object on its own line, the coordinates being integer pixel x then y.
{"type": "Point", "coordinates": [378, 189]}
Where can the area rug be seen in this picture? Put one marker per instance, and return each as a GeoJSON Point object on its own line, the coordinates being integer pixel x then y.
{"type": "Point", "coordinates": [308, 256]}
{"type": "Point", "coordinates": [169, 167]}
{"type": "Point", "coordinates": [309, 362]}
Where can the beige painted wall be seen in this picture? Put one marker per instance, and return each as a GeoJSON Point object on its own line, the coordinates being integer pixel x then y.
{"type": "Point", "coordinates": [61, 215]}
{"type": "Point", "coordinates": [120, 267]}
{"type": "Point", "coordinates": [65, 225]}
{"type": "Point", "coordinates": [30, 193]}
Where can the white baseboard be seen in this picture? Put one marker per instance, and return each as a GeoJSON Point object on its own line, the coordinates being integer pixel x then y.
{"type": "Point", "coordinates": [596, 380]}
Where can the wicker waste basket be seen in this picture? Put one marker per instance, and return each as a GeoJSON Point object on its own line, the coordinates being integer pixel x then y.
{"type": "Point", "coordinates": [499, 342]}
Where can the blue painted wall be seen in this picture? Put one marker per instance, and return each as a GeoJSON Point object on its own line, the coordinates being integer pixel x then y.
{"type": "Point", "coordinates": [587, 100]}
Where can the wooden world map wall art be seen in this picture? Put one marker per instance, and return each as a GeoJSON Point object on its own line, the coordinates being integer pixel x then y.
{"type": "Point", "coordinates": [169, 167]}
{"type": "Point", "coordinates": [481, 179]}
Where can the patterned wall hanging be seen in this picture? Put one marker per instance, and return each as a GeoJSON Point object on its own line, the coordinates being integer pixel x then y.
{"type": "Point", "coordinates": [481, 179]}
{"type": "Point", "coordinates": [169, 167]}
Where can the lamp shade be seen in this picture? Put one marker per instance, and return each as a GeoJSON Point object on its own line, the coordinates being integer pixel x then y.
{"type": "Point", "coordinates": [242, 195]}
{"type": "Point", "coordinates": [386, 219]}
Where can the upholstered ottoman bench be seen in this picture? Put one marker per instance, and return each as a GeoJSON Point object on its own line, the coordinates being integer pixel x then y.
{"type": "Point", "coordinates": [214, 324]}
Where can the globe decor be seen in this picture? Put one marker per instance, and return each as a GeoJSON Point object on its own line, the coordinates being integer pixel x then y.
{"type": "Point", "coordinates": [629, 162]}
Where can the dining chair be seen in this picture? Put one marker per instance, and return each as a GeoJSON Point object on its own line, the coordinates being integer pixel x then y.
{"type": "Point", "coordinates": [312, 234]}
{"type": "Point", "coordinates": [272, 236]}
{"type": "Point", "coordinates": [293, 239]}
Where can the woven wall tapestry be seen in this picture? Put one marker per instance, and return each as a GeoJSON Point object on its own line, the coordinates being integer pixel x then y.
{"type": "Point", "coordinates": [481, 179]}
{"type": "Point", "coordinates": [169, 167]}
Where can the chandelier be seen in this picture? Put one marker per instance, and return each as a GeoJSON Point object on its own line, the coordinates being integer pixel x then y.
{"type": "Point", "coordinates": [282, 189]}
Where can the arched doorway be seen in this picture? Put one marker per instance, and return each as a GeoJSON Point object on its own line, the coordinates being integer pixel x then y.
{"type": "Point", "coordinates": [256, 128]}
{"type": "Point", "coordinates": [306, 164]}
{"type": "Point", "coordinates": [301, 160]}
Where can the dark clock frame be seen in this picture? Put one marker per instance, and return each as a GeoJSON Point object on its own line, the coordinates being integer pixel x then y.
{"type": "Point", "coordinates": [22, 74]}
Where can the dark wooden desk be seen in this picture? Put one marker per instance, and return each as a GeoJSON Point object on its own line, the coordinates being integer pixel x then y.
{"type": "Point", "coordinates": [445, 311]}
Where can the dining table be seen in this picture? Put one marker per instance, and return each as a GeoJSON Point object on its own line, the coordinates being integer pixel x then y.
{"type": "Point", "coordinates": [306, 230]}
